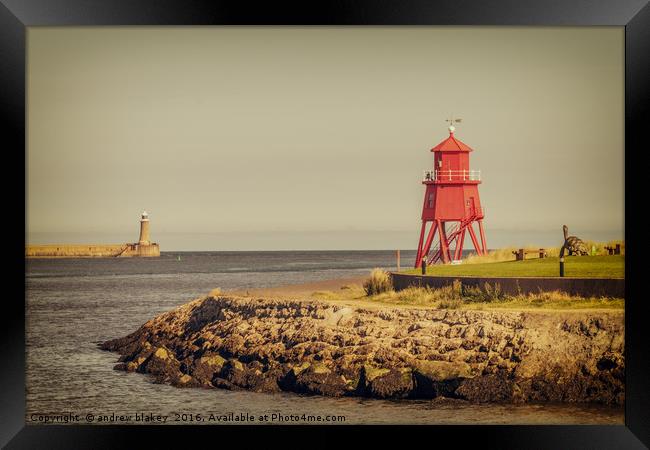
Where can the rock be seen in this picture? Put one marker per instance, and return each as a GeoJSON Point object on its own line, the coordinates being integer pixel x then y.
{"type": "Point", "coordinates": [318, 379]}
{"type": "Point", "coordinates": [335, 318]}
{"type": "Point", "coordinates": [388, 383]}
{"type": "Point", "coordinates": [439, 378]}
{"type": "Point", "coordinates": [321, 348]}
{"type": "Point", "coordinates": [233, 371]}
{"type": "Point", "coordinates": [314, 378]}
{"type": "Point", "coordinates": [443, 370]}
{"type": "Point", "coordinates": [163, 364]}
{"type": "Point", "coordinates": [225, 384]}
{"type": "Point", "coordinates": [206, 367]}
{"type": "Point", "coordinates": [370, 373]}
{"type": "Point", "coordinates": [490, 388]}
{"type": "Point", "coordinates": [248, 377]}
{"type": "Point", "coordinates": [185, 381]}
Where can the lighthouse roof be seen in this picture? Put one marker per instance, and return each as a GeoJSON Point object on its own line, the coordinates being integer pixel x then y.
{"type": "Point", "coordinates": [451, 144]}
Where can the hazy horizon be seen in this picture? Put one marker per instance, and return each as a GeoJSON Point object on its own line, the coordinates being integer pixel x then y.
{"type": "Point", "coordinates": [306, 241]}
{"type": "Point", "coordinates": [296, 138]}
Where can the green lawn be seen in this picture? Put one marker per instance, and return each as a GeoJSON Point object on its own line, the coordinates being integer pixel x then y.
{"type": "Point", "coordinates": [574, 266]}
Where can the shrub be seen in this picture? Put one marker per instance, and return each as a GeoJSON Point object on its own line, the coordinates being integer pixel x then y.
{"type": "Point", "coordinates": [478, 294]}
{"type": "Point", "coordinates": [473, 294]}
{"type": "Point", "coordinates": [419, 295]}
{"type": "Point", "coordinates": [215, 292]}
{"type": "Point", "coordinates": [456, 290]}
{"type": "Point", "coordinates": [450, 303]}
{"type": "Point", "coordinates": [378, 282]}
{"type": "Point", "coordinates": [493, 293]}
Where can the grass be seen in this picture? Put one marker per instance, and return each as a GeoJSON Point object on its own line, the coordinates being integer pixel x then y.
{"type": "Point", "coordinates": [574, 266]}
{"type": "Point", "coordinates": [505, 254]}
{"type": "Point", "coordinates": [457, 296]}
{"type": "Point", "coordinates": [216, 292]}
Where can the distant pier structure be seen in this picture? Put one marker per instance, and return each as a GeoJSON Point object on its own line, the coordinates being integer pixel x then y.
{"type": "Point", "coordinates": [143, 248]}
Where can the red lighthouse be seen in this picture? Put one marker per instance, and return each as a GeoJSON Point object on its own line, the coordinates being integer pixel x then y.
{"type": "Point", "coordinates": [451, 203]}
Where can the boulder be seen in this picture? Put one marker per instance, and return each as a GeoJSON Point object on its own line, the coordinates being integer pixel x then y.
{"type": "Point", "coordinates": [205, 367]}
{"type": "Point", "coordinates": [381, 382]}
{"type": "Point", "coordinates": [248, 376]}
{"type": "Point", "coordinates": [163, 364]}
{"type": "Point", "coordinates": [185, 380]}
{"type": "Point", "coordinates": [486, 388]}
{"type": "Point", "coordinates": [439, 378]}
{"type": "Point", "coordinates": [315, 379]}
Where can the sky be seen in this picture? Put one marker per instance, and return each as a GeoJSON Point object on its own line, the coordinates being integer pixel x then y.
{"type": "Point", "coordinates": [295, 138]}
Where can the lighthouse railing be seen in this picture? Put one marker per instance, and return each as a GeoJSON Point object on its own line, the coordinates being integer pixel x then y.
{"type": "Point", "coordinates": [452, 175]}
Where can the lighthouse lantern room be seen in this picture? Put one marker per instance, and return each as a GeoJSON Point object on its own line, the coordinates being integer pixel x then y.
{"type": "Point", "coordinates": [451, 204]}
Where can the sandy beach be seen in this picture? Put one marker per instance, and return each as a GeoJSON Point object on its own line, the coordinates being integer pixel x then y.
{"type": "Point", "coordinates": [305, 290]}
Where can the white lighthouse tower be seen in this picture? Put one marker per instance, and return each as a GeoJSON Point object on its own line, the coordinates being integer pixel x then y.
{"type": "Point", "coordinates": [144, 246]}
{"type": "Point", "coordinates": [144, 229]}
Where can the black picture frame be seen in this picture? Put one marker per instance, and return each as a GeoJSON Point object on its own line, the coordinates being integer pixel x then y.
{"type": "Point", "coordinates": [16, 15]}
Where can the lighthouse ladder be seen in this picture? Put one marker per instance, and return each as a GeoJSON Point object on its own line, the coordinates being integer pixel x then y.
{"type": "Point", "coordinates": [124, 249]}
{"type": "Point", "coordinates": [454, 232]}
{"type": "Point", "coordinates": [436, 253]}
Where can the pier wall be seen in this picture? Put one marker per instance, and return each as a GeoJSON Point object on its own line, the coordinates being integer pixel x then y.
{"type": "Point", "coordinates": [597, 287]}
{"type": "Point", "coordinates": [140, 250]}
{"type": "Point", "coordinates": [91, 250]}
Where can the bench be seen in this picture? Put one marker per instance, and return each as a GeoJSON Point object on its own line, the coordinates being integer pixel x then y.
{"type": "Point", "coordinates": [521, 253]}
{"type": "Point", "coordinates": [613, 250]}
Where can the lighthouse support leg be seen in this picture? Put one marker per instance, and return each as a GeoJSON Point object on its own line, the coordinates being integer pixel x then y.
{"type": "Point", "coordinates": [427, 244]}
{"type": "Point", "coordinates": [444, 244]}
{"type": "Point", "coordinates": [474, 240]}
{"type": "Point", "coordinates": [418, 258]}
{"type": "Point", "coordinates": [459, 245]}
{"type": "Point", "coordinates": [483, 243]}
{"type": "Point", "coordinates": [424, 249]}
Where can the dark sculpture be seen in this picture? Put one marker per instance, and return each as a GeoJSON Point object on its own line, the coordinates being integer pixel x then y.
{"type": "Point", "coordinates": [574, 244]}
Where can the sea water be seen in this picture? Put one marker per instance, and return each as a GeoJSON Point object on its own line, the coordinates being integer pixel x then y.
{"type": "Point", "coordinates": [73, 304]}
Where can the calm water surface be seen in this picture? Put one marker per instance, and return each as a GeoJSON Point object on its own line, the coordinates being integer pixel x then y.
{"type": "Point", "coordinates": [72, 304]}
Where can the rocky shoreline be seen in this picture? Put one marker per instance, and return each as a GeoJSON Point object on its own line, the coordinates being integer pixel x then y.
{"type": "Point", "coordinates": [329, 348]}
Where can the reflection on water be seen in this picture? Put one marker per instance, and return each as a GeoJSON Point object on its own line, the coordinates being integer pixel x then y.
{"type": "Point", "coordinates": [72, 304]}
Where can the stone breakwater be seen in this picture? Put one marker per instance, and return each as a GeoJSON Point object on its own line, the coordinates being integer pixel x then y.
{"type": "Point", "coordinates": [92, 250]}
{"type": "Point", "coordinates": [325, 348]}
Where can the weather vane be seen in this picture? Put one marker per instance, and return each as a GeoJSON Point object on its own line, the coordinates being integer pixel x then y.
{"type": "Point", "coordinates": [451, 122]}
